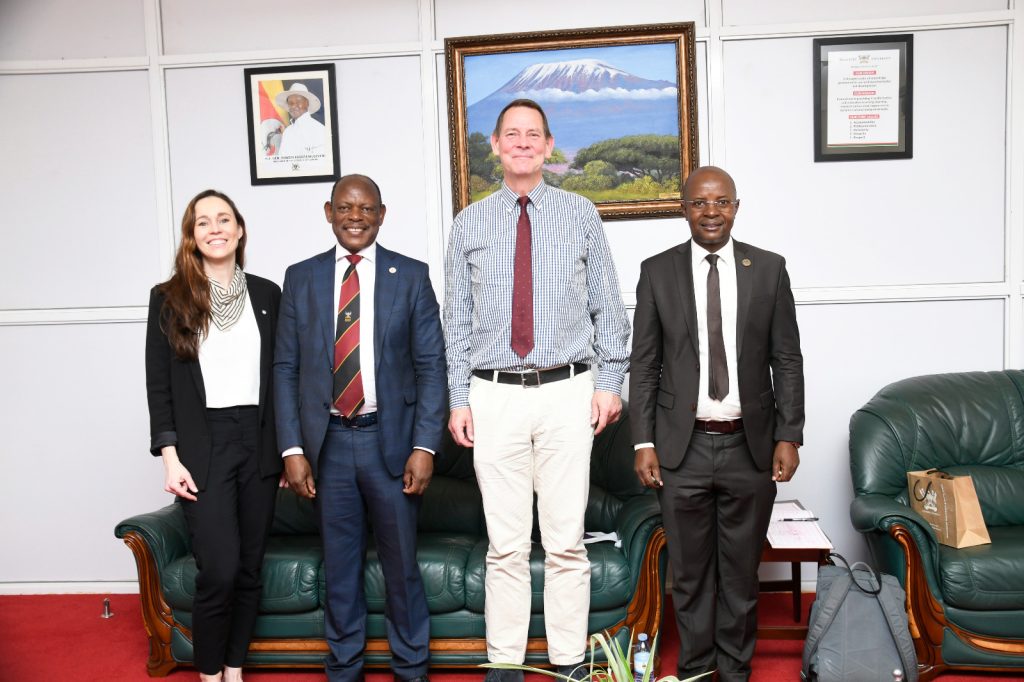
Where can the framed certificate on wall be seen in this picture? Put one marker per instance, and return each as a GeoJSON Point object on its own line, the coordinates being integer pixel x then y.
{"type": "Point", "coordinates": [863, 97]}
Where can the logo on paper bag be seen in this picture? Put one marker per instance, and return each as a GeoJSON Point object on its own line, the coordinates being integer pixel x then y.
{"type": "Point", "coordinates": [930, 501]}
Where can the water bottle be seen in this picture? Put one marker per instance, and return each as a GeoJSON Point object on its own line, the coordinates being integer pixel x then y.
{"type": "Point", "coordinates": [641, 657]}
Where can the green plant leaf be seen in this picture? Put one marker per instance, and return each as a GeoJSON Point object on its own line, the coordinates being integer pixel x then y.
{"type": "Point", "coordinates": [618, 666]}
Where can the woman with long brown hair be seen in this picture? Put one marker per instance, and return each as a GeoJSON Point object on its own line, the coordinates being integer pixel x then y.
{"type": "Point", "coordinates": [209, 355]}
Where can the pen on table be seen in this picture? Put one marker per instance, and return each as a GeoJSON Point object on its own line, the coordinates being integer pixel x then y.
{"type": "Point", "coordinates": [806, 518]}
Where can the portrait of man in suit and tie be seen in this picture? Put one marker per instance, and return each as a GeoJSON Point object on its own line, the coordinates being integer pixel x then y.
{"type": "Point", "coordinates": [360, 391]}
{"type": "Point", "coordinates": [717, 394]}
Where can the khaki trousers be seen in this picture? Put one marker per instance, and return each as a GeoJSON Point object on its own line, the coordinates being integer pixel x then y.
{"type": "Point", "coordinates": [534, 440]}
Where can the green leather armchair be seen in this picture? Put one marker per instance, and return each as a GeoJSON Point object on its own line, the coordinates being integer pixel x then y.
{"type": "Point", "coordinates": [966, 606]}
{"type": "Point", "coordinates": [626, 580]}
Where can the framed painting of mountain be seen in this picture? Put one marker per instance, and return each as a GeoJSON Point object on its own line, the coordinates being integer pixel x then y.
{"type": "Point", "coordinates": [621, 103]}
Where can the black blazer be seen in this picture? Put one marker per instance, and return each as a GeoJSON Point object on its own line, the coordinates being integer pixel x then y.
{"type": "Point", "coordinates": [664, 366]}
{"type": "Point", "coordinates": [177, 396]}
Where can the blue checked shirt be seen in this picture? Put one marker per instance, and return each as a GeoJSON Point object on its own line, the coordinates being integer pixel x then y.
{"type": "Point", "coordinates": [578, 311]}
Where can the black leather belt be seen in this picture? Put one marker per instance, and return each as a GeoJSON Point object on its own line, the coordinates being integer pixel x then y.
{"type": "Point", "coordinates": [358, 421]}
{"type": "Point", "coordinates": [533, 377]}
{"type": "Point", "coordinates": [709, 426]}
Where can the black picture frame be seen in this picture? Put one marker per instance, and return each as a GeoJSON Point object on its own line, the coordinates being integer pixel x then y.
{"type": "Point", "coordinates": [278, 152]}
{"type": "Point", "coordinates": [842, 146]}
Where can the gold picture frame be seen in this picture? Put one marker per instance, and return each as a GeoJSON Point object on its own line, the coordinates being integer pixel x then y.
{"type": "Point", "coordinates": [615, 98]}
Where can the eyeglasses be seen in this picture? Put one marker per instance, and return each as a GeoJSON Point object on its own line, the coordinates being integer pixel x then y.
{"type": "Point", "coordinates": [720, 204]}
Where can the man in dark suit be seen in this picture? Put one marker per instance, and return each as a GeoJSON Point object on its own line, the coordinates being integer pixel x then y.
{"type": "Point", "coordinates": [717, 397]}
{"type": "Point", "coordinates": [362, 444]}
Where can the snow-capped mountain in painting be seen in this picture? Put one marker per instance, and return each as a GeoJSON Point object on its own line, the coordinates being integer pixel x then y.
{"type": "Point", "coordinates": [586, 101]}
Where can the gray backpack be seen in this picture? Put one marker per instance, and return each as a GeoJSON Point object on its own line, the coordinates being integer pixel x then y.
{"type": "Point", "coordinates": [857, 630]}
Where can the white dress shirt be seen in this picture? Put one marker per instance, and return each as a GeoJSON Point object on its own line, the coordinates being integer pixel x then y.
{"type": "Point", "coordinates": [729, 407]}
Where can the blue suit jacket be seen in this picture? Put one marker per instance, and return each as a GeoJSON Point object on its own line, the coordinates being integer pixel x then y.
{"type": "Point", "coordinates": [409, 363]}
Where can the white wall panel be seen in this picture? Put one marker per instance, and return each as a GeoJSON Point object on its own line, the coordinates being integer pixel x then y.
{"type": "Point", "coordinates": [79, 193]}
{"type": "Point", "coordinates": [380, 128]}
{"type": "Point", "coordinates": [852, 351]}
{"type": "Point", "coordinates": [795, 11]}
{"type": "Point", "coordinates": [936, 218]}
{"type": "Point", "coordinates": [465, 18]}
{"type": "Point", "coordinates": [202, 26]}
{"type": "Point", "coordinates": [75, 451]}
{"type": "Point", "coordinates": [58, 29]}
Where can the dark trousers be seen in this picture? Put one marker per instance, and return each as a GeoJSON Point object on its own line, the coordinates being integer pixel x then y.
{"type": "Point", "coordinates": [229, 525]}
{"type": "Point", "coordinates": [354, 487]}
{"type": "Point", "coordinates": [716, 507]}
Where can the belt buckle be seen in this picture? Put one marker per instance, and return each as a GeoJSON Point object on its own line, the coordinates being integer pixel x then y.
{"type": "Point", "coordinates": [530, 373]}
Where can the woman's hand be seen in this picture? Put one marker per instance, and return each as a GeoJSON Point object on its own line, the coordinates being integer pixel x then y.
{"type": "Point", "coordinates": [177, 479]}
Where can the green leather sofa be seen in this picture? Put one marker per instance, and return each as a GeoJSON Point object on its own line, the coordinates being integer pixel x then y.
{"type": "Point", "coordinates": [966, 606]}
{"type": "Point", "coordinates": [626, 581]}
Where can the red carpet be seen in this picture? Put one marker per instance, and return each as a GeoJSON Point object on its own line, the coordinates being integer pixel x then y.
{"type": "Point", "coordinates": [45, 638]}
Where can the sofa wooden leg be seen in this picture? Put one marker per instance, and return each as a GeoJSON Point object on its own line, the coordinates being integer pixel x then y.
{"type": "Point", "coordinates": [156, 614]}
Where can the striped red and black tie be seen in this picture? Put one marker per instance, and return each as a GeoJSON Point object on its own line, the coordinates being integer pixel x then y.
{"type": "Point", "coordinates": [348, 380]}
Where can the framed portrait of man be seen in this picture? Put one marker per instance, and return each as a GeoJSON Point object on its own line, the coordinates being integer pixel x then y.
{"type": "Point", "coordinates": [293, 124]}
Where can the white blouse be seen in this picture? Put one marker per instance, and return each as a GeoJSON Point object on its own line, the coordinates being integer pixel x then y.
{"type": "Point", "coordinates": [230, 361]}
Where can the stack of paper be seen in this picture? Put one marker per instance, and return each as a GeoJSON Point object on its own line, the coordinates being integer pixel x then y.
{"type": "Point", "coordinates": [793, 527]}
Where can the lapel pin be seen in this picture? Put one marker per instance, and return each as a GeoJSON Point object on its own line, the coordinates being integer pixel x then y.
{"type": "Point", "coordinates": [392, 270]}
{"type": "Point", "coordinates": [264, 312]}
{"type": "Point", "coordinates": [746, 262]}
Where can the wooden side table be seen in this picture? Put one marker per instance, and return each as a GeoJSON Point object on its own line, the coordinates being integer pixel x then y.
{"type": "Point", "coordinates": [794, 557]}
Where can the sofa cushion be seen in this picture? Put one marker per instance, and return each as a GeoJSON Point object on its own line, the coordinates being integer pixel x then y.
{"type": "Point", "coordinates": [290, 571]}
{"type": "Point", "coordinates": [941, 420]}
{"type": "Point", "coordinates": [452, 505]}
{"type": "Point", "coordinates": [1000, 492]}
{"type": "Point", "coordinates": [610, 583]}
{"type": "Point", "coordinates": [442, 559]}
{"type": "Point", "coordinates": [294, 515]}
{"type": "Point", "coordinates": [986, 577]}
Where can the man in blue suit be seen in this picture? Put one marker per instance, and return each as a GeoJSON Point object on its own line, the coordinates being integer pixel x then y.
{"type": "Point", "coordinates": [360, 350]}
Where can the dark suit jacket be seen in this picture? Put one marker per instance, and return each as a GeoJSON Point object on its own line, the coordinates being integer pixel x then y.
{"type": "Point", "coordinates": [409, 363]}
{"type": "Point", "coordinates": [177, 395]}
{"type": "Point", "coordinates": [664, 366]}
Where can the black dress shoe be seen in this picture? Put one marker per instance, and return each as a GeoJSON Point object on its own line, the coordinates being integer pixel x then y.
{"type": "Point", "coordinates": [576, 671]}
{"type": "Point", "coordinates": [499, 675]}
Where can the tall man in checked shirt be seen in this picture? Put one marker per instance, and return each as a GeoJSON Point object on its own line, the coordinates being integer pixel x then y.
{"type": "Point", "coordinates": [536, 335]}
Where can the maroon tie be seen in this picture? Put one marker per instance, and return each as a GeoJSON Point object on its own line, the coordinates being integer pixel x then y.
{"type": "Point", "coordinates": [348, 380]}
{"type": "Point", "coordinates": [522, 286]}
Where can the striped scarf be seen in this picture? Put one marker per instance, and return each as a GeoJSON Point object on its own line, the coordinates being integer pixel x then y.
{"type": "Point", "coordinates": [226, 305]}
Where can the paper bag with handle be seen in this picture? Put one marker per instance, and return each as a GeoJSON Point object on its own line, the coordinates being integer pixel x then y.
{"type": "Point", "coordinates": [950, 506]}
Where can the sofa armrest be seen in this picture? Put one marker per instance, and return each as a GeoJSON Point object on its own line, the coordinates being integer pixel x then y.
{"type": "Point", "coordinates": [880, 514]}
{"type": "Point", "coordinates": [636, 522]}
{"type": "Point", "coordinates": [164, 531]}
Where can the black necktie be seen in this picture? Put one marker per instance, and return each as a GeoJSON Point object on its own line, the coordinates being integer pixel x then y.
{"type": "Point", "coordinates": [718, 379]}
